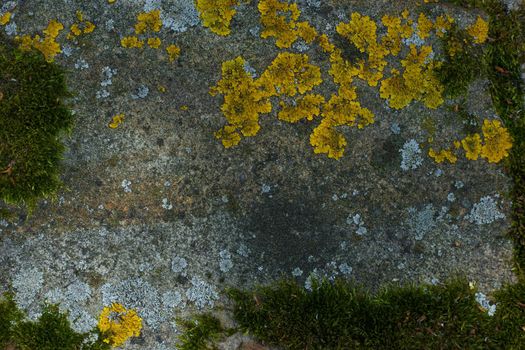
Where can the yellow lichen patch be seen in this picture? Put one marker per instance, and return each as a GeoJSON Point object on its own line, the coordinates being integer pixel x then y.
{"type": "Point", "coordinates": [89, 27]}
{"type": "Point", "coordinates": [307, 107]}
{"type": "Point", "coordinates": [243, 102]}
{"type": "Point", "coordinates": [217, 14]}
{"type": "Point", "coordinates": [47, 45]}
{"type": "Point", "coordinates": [417, 82]}
{"type": "Point", "coordinates": [162, 89]}
{"type": "Point", "coordinates": [82, 26]}
{"type": "Point", "coordinates": [111, 1]}
{"type": "Point", "coordinates": [442, 155]}
{"type": "Point", "coordinates": [154, 43]}
{"type": "Point", "coordinates": [117, 324]}
{"type": "Point", "coordinates": [496, 141]}
{"type": "Point", "coordinates": [279, 20]}
{"type": "Point", "coordinates": [443, 24]}
{"type": "Point", "coordinates": [148, 20]}
{"type": "Point", "coordinates": [396, 30]}
{"type": "Point", "coordinates": [173, 52]}
{"type": "Point", "coordinates": [479, 31]}
{"type": "Point", "coordinates": [344, 109]}
{"type": "Point", "coordinates": [341, 70]}
{"type": "Point", "coordinates": [5, 18]}
{"type": "Point", "coordinates": [325, 44]}
{"type": "Point", "coordinates": [116, 121]}
{"type": "Point", "coordinates": [472, 146]}
{"type": "Point", "coordinates": [361, 31]}
{"type": "Point", "coordinates": [325, 139]}
{"type": "Point", "coordinates": [131, 42]}
{"type": "Point", "coordinates": [289, 74]}
{"type": "Point", "coordinates": [424, 26]}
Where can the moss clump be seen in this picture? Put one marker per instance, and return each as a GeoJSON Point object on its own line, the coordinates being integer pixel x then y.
{"type": "Point", "coordinates": [462, 65]}
{"type": "Point", "coordinates": [9, 316]}
{"type": "Point", "coordinates": [51, 331]}
{"type": "Point", "coordinates": [33, 117]}
{"type": "Point", "coordinates": [340, 316]}
{"type": "Point", "coordinates": [201, 332]}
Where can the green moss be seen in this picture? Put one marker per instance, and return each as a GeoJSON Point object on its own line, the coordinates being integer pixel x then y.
{"type": "Point", "coordinates": [459, 70]}
{"type": "Point", "coordinates": [33, 118]}
{"type": "Point", "coordinates": [200, 332]}
{"type": "Point", "coordinates": [9, 316]}
{"type": "Point", "coordinates": [51, 331]}
{"type": "Point", "coordinates": [340, 316]}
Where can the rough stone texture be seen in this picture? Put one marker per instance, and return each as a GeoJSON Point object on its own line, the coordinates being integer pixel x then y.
{"type": "Point", "coordinates": [158, 215]}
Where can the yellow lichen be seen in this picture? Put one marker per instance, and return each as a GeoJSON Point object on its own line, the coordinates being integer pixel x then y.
{"type": "Point", "coordinates": [89, 27]}
{"type": "Point", "coordinates": [442, 155]}
{"type": "Point", "coordinates": [289, 74]}
{"type": "Point", "coordinates": [217, 14]}
{"type": "Point", "coordinates": [396, 30]}
{"type": "Point", "coordinates": [47, 45]}
{"type": "Point", "coordinates": [417, 82]}
{"type": "Point", "coordinates": [148, 20]}
{"type": "Point", "coordinates": [443, 24]}
{"type": "Point", "coordinates": [325, 44]}
{"type": "Point", "coordinates": [424, 26]}
{"type": "Point", "coordinates": [472, 146]}
{"type": "Point", "coordinates": [341, 109]}
{"type": "Point", "coordinates": [116, 121]}
{"type": "Point", "coordinates": [131, 42]}
{"type": "Point", "coordinates": [279, 20]}
{"type": "Point", "coordinates": [325, 139]}
{"type": "Point", "coordinates": [496, 141]}
{"type": "Point", "coordinates": [361, 31]}
{"type": "Point", "coordinates": [173, 52]}
{"type": "Point", "coordinates": [117, 324]}
{"type": "Point", "coordinates": [154, 43]}
{"type": "Point", "coordinates": [243, 103]}
{"type": "Point", "coordinates": [76, 28]}
{"type": "Point", "coordinates": [5, 18]}
{"type": "Point", "coordinates": [306, 107]}
{"type": "Point", "coordinates": [479, 30]}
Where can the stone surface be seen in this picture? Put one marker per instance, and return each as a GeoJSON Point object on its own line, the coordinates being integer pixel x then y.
{"type": "Point", "coordinates": [158, 215]}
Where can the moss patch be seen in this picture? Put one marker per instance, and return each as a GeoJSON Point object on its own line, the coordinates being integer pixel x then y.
{"type": "Point", "coordinates": [51, 331]}
{"type": "Point", "coordinates": [33, 118]}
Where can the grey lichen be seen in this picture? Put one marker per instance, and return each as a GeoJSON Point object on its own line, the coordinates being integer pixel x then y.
{"type": "Point", "coordinates": [486, 211]}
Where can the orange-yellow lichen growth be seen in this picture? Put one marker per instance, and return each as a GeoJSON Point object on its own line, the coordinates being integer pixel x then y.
{"type": "Point", "coordinates": [325, 139]}
{"type": "Point", "coordinates": [341, 109]}
{"type": "Point", "coordinates": [5, 18]}
{"type": "Point", "coordinates": [362, 32]}
{"type": "Point", "coordinates": [472, 146]}
{"type": "Point", "coordinates": [279, 20]}
{"type": "Point", "coordinates": [117, 324]}
{"type": "Point", "coordinates": [396, 30]}
{"type": "Point", "coordinates": [131, 42]}
{"type": "Point", "coordinates": [47, 45]}
{"type": "Point", "coordinates": [289, 74]}
{"type": "Point", "coordinates": [306, 107]}
{"type": "Point", "coordinates": [217, 14]}
{"type": "Point", "coordinates": [479, 30]}
{"type": "Point", "coordinates": [443, 24]}
{"type": "Point", "coordinates": [496, 141]}
{"type": "Point", "coordinates": [424, 26]}
{"type": "Point", "coordinates": [82, 26]}
{"type": "Point", "coordinates": [243, 103]}
{"type": "Point", "coordinates": [116, 121]}
{"type": "Point", "coordinates": [154, 43]}
{"type": "Point", "coordinates": [417, 82]}
{"type": "Point", "coordinates": [173, 52]}
{"type": "Point", "coordinates": [442, 155]}
{"type": "Point", "coordinates": [148, 20]}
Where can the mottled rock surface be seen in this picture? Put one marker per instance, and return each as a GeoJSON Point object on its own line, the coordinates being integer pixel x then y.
{"type": "Point", "coordinates": [158, 215]}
